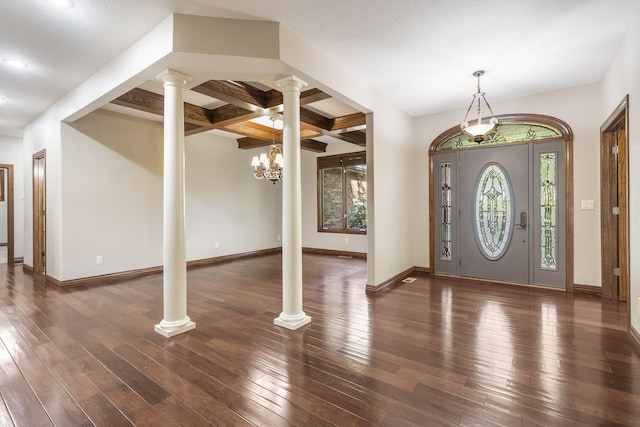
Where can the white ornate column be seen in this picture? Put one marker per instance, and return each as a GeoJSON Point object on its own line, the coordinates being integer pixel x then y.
{"type": "Point", "coordinates": [292, 316]}
{"type": "Point", "coordinates": [174, 277]}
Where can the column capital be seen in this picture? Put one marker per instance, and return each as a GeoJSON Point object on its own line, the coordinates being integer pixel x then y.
{"type": "Point", "coordinates": [291, 82]}
{"type": "Point", "coordinates": [173, 76]}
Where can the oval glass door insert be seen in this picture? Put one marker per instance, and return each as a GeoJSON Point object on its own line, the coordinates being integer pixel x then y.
{"type": "Point", "coordinates": [493, 211]}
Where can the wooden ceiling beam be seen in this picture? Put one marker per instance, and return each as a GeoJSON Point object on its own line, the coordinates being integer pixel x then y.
{"type": "Point", "coordinates": [315, 119]}
{"type": "Point", "coordinates": [143, 100]}
{"type": "Point", "coordinates": [274, 97]}
{"type": "Point", "coordinates": [247, 102]}
{"type": "Point", "coordinates": [355, 121]}
{"type": "Point", "coordinates": [313, 145]}
{"type": "Point", "coordinates": [255, 130]}
{"type": "Point", "coordinates": [306, 144]}
{"type": "Point", "coordinates": [247, 143]}
{"type": "Point", "coordinates": [151, 102]}
{"type": "Point", "coordinates": [239, 94]}
{"type": "Point", "coordinates": [357, 137]}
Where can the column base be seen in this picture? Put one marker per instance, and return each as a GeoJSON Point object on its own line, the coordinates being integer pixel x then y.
{"type": "Point", "coordinates": [171, 329]}
{"type": "Point", "coordinates": [292, 322]}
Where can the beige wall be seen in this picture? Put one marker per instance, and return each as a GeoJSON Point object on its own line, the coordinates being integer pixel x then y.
{"type": "Point", "coordinates": [112, 194]}
{"type": "Point", "coordinates": [580, 108]}
{"type": "Point", "coordinates": [622, 79]}
{"type": "Point", "coordinates": [11, 152]}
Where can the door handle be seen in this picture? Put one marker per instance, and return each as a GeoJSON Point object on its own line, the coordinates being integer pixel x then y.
{"type": "Point", "coordinates": [523, 221]}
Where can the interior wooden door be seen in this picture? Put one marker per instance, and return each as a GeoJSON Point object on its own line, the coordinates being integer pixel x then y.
{"type": "Point", "coordinates": [39, 213]}
{"type": "Point", "coordinates": [614, 196]}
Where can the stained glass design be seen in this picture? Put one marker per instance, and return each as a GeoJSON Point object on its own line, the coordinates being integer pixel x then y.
{"type": "Point", "coordinates": [445, 211]}
{"type": "Point", "coordinates": [505, 133]}
{"type": "Point", "coordinates": [548, 212]}
{"type": "Point", "coordinates": [493, 211]}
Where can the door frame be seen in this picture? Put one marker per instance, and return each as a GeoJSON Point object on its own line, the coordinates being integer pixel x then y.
{"type": "Point", "coordinates": [566, 135]}
{"type": "Point", "coordinates": [10, 215]}
{"type": "Point", "coordinates": [39, 219]}
{"type": "Point", "coordinates": [618, 118]}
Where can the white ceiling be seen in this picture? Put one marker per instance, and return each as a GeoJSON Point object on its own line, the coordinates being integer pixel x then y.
{"type": "Point", "coordinates": [419, 54]}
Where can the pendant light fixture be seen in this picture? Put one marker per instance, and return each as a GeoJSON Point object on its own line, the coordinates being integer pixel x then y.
{"type": "Point", "coordinates": [479, 131]}
{"type": "Point", "coordinates": [269, 165]}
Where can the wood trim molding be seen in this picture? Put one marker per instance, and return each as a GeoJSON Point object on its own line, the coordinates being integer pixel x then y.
{"type": "Point", "coordinates": [334, 253]}
{"type": "Point", "coordinates": [134, 274]}
{"type": "Point", "coordinates": [587, 290]}
{"type": "Point", "coordinates": [18, 260]}
{"type": "Point", "coordinates": [27, 269]}
{"type": "Point", "coordinates": [395, 280]}
{"type": "Point", "coordinates": [234, 257]}
{"type": "Point", "coordinates": [9, 198]}
{"type": "Point", "coordinates": [635, 338]}
{"type": "Point", "coordinates": [103, 279]}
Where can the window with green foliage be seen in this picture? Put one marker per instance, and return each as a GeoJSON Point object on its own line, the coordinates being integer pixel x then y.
{"type": "Point", "coordinates": [342, 193]}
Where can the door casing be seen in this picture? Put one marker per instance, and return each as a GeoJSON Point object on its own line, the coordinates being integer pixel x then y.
{"type": "Point", "coordinates": [614, 192]}
{"type": "Point", "coordinates": [10, 215]}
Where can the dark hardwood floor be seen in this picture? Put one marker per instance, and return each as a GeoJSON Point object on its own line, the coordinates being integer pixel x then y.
{"type": "Point", "coordinates": [433, 352]}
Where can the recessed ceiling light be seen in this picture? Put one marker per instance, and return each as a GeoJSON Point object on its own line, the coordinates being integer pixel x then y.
{"type": "Point", "coordinates": [15, 63]}
{"type": "Point", "coordinates": [62, 3]}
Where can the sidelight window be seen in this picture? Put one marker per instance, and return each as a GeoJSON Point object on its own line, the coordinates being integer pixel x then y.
{"type": "Point", "coordinates": [445, 206]}
{"type": "Point", "coordinates": [548, 211]}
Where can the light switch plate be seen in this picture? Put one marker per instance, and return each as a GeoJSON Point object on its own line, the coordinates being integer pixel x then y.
{"type": "Point", "coordinates": [588, 205]}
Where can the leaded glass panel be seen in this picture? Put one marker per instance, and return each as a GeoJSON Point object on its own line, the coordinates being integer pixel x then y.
{"type": "Point", "coordinates": [445, 206]}
{"type": "Point", "coordinates": [493, 212]}
{"type": "Point", "coordinates": [505, 133]}
{"type": "Point", "coordinates": [548, 212]}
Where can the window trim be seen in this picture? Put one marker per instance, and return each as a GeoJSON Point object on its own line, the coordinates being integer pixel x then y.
{"type": "Point", "coordinates": [334, 161]}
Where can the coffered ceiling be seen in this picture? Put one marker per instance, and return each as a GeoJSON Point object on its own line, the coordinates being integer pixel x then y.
{"type": "Point", "coordinates": [239, 109]}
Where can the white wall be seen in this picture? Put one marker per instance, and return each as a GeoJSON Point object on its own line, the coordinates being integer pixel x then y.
{"type": "Point", "coordinates": [311, 238]}
{"type": "Point", "coordinates": [11, 152]}
{"type": "Point", "coordinates": [579, 107]}
{"type": "Point", "coordinates": [389, 157]}
{"type": "Point", "coordinates": [225, 203]}
{"type": "Point", "coordinates": [622, 79]}
{"type": "Point", "coordinates": [112, 194]}
{"type": "Point", "coordinates": [42, 134]}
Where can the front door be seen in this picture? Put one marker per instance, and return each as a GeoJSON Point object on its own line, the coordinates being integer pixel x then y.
{"type": "Point", "coordinates": [494, 212]}
{"type": "Point", "coordinates": [501, 213]}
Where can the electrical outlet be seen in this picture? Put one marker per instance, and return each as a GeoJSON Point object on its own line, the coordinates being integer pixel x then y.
{"type": "Point", "coordinates": [346, 240]}
{"type": "Point", "coordinates": [279, 237]}
{"type": "Point", "coordinates": [99, 259]}
{"type": "Point", "coordinates": [217, 245]}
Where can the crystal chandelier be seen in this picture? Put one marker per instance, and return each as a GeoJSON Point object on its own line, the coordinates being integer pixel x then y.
{"type": "Point", "coordinates": [480, 131]}
{"type": "Point", "coordinates": [269, 165]}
